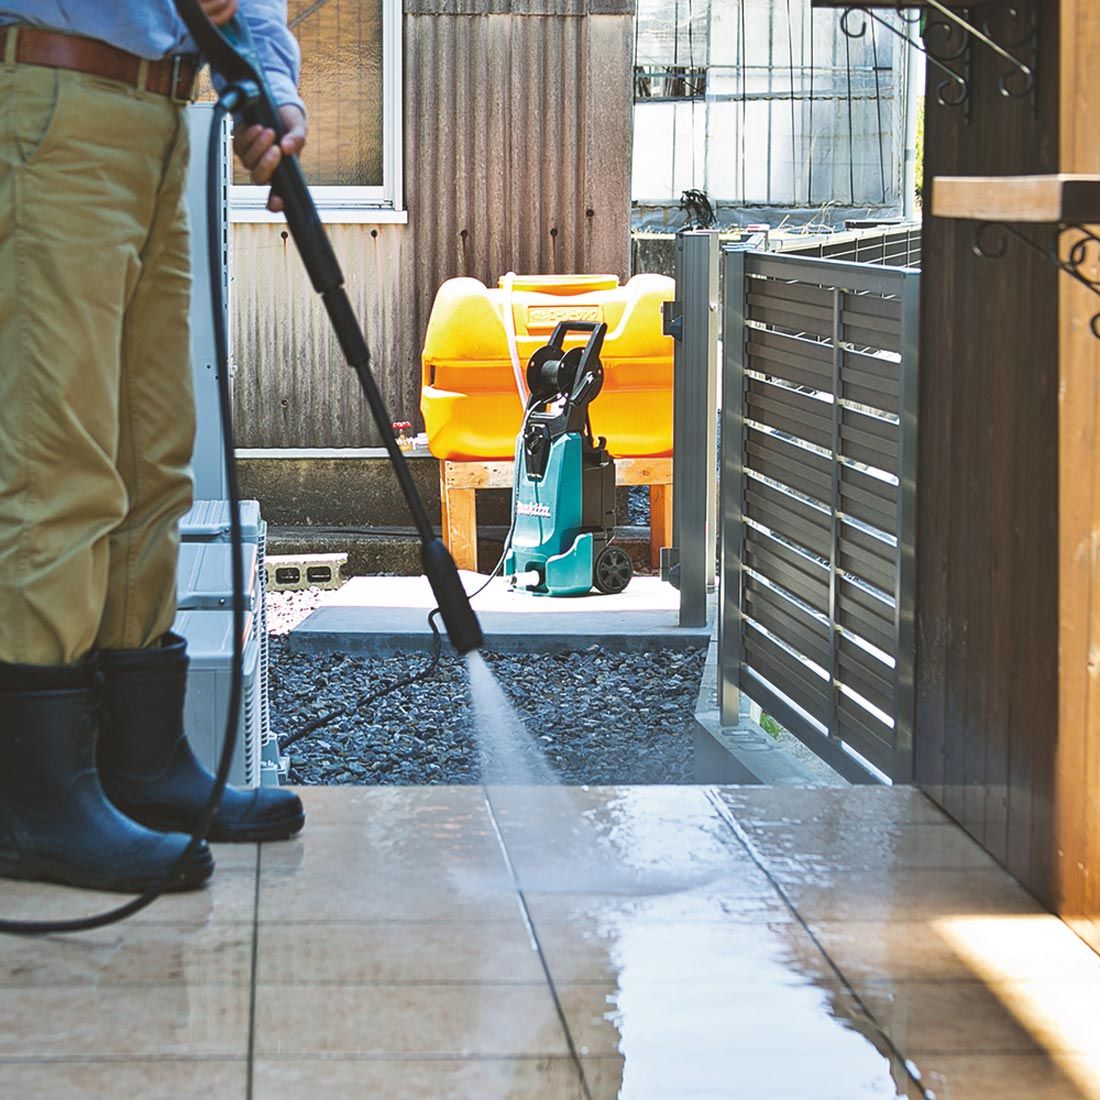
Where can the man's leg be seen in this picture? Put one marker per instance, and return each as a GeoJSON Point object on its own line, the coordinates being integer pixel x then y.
{"type": "Point", "coordinates": [75, 205]}
{"type": "Point", "coordinates": [147, 765]}
{"type": "Point", "coordinates": [156, 424]}
{"type": "Point", "coordinates": [68, 256]}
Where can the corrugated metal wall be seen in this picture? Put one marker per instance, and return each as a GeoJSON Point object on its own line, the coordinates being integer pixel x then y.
{"type": "Point", "coordinates": [517, 156]}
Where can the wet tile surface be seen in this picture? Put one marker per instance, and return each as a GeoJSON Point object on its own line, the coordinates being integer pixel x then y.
{"type": "Point", "coordinates": [175, 1021]}
{"type": "Point", "coordinates": [996, 949]}
{"type": "Point", "coordinates": [590, 943]}
{"type": "Point", "coordinates": [189, 955]}
{"type": "Point", "coordinates": [398, 951]}
{"type": "Point", "coordinates": [228, 897]}
{"type": "Point", "coordinates": [454, 1020]}
{"type": "Point", "coordinates": [179, 1080]}
{"type": "Point", "coordinates": [740, 1073]}
{"type": "Point", "coordinates": [415, 1079]}
{"type": "Point", "coordinates": [733, 953]}
{"type": "Point", "coordinates": [1012, 1076]}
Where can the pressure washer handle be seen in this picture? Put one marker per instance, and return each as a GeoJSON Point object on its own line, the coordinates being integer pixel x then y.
{"type": "Point", "coordinates": [557, 340]}
{"type": "Point", "coordinates": [288, 181]}
{"type": "Point", "coordinates": [306, 227]}
{"type": "Point", "coordinates": [592, 349]}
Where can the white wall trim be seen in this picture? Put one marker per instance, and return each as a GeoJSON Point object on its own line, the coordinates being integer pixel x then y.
{"type": "Point", "coordinates": [330, 215]}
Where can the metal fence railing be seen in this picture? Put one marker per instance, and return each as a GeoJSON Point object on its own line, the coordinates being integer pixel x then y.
{"type": "Point", "coordinates": [817, 505]}
{"type": "Point", "coordinates": [890, 245]}
{"type": "Point", "coordinates": [898, 246]}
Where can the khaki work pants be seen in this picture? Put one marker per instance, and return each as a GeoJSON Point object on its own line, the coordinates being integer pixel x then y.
{"type": "Point", "coordinates": [96, 405]}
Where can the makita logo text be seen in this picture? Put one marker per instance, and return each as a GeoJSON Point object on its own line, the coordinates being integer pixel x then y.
{"type": "Point", "coordinates": [542, 511]}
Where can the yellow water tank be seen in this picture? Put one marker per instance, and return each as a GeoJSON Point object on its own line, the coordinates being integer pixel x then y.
{"type": "Point", "coordinates": [469, 397]}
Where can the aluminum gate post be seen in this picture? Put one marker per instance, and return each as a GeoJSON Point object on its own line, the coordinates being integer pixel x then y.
{"type": "Point", "coordinates": [692, 320]}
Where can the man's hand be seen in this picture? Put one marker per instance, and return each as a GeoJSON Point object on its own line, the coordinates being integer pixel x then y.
{"type": "Point", "coordinates": [219, 11]}
{"type": "Point", "coordinates": [257, 148]}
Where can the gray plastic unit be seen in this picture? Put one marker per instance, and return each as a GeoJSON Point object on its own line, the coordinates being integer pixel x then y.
{"type": "Point", "coordinates": [209, 637]}
{"type": "Point", "coordinates": [207, 525]}
{"type": "Point", "coordinates": [208, 521]}
{"type": "Point", "coordinates": [204, 576]}
{"type": "Point", "coordinates": [208, 463]}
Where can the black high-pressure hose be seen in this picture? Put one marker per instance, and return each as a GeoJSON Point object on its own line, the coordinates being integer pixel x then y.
{"type": "Point", "coordinates": [231, 55]}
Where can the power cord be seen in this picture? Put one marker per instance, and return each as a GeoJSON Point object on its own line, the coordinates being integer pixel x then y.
{"type": "Point", "coordinates": [232, 99]}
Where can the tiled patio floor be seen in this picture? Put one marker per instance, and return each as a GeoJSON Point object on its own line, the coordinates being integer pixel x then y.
{"type": "Point", "coordinates": [663, 943]}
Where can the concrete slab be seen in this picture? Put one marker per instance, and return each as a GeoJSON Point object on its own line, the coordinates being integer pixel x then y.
{"type": "Point", "coordinates": [386, 615]}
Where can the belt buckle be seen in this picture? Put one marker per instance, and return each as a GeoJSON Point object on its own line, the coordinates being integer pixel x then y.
{"type": "Point", "coordinates": [177, 64]}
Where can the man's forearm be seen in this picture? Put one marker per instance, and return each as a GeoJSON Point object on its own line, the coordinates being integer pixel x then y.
{"type": "Point", "coordinates": [278, 48]}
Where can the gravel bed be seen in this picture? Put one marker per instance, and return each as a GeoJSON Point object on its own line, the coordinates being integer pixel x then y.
{"type": "Point", "coordinates": [637, 506]}
{"type": "Point", "coordinates": [600, 716]}
{"type": "Point", "coordinates": [285, 610]}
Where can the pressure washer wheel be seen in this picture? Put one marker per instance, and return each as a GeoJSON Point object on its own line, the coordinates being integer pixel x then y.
{"type": "Point", "coordinates": [613, 570]}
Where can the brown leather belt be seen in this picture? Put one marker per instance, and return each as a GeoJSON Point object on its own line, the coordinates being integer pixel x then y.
{"type": "Point", "coordinates": [173, 77]}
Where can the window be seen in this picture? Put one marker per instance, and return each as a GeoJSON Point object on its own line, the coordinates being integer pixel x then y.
{"type": "Point", "coordinates": [351, 84]}
{"type": "Point", "coordinates": [768, 103]}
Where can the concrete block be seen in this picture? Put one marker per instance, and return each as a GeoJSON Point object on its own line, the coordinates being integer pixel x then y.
{"type": "Point", "coordinates": [742, 754]}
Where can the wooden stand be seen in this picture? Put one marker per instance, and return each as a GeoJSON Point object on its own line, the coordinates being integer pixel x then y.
{"type": "Point", "coordinates": [459, 482]}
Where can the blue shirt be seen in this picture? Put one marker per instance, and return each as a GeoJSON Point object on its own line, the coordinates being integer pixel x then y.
{"type": "Point", "coordinates": [152, 29]}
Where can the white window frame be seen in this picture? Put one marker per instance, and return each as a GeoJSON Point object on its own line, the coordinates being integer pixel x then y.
{"type": "Point", "coordinates": [355, 205]}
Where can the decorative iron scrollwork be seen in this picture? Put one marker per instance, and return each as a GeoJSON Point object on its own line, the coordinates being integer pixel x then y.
{"type": "Point", "coordinates": [991, 243]}
{"type": "Point", "coordinates": [1017, 27]}
{"type": "Point", "coordinates": [1010, 30]}
{"type": "Point", "coordinates": [954, 61]}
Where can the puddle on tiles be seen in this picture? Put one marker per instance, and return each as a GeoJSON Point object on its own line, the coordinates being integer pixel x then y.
{"type": "Point", "coordinates": [721, 1010]}
{"type": "Point", "coordinates": [665, 992]}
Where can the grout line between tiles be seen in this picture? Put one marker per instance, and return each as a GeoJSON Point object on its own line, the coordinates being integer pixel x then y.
{"type": "Point", "coordinates": [98, 984]}
{"type": "Point", "coordinates": [402, 983]}
{"type": "Point", "coordinates": [727, 815]}
{"type": "Point", "coordinates": [415, 1056]}
{"type": "Point", "coordinates": [250, 1067]}
{"type": "Point", "coordinates": [118, 1059]}
{"type": "Point", "coordinates": [538, 946]}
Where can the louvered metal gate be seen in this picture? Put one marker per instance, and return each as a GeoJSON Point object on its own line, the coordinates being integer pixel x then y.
{"type": "Point", "coordinates": [818, 503]}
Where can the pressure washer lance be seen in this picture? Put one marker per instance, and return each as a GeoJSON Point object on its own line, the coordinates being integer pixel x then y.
{"type": "Point", "coordinates": [248, 96]}
{"type": "Point", "coordinates": [232, 55]}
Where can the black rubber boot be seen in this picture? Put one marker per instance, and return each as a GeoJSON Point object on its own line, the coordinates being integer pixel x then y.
{"type": "Point", "coordinates": [56, 824]}
{"type": "Point", "coordinates": [148, 768]}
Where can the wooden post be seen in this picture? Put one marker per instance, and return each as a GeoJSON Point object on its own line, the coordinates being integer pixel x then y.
{"type": "Point", "coordinates": [1077, 767]}
{"type": "Point", "coordinates": [459, 514]}
{"type": "Point", "coordinates": [444, 511]}
{"type": "Point", "coordinates": [660, 521]}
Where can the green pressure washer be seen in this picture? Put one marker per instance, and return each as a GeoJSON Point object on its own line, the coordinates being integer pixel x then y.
{"type": "Point", "coordinates": [563, 499]}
